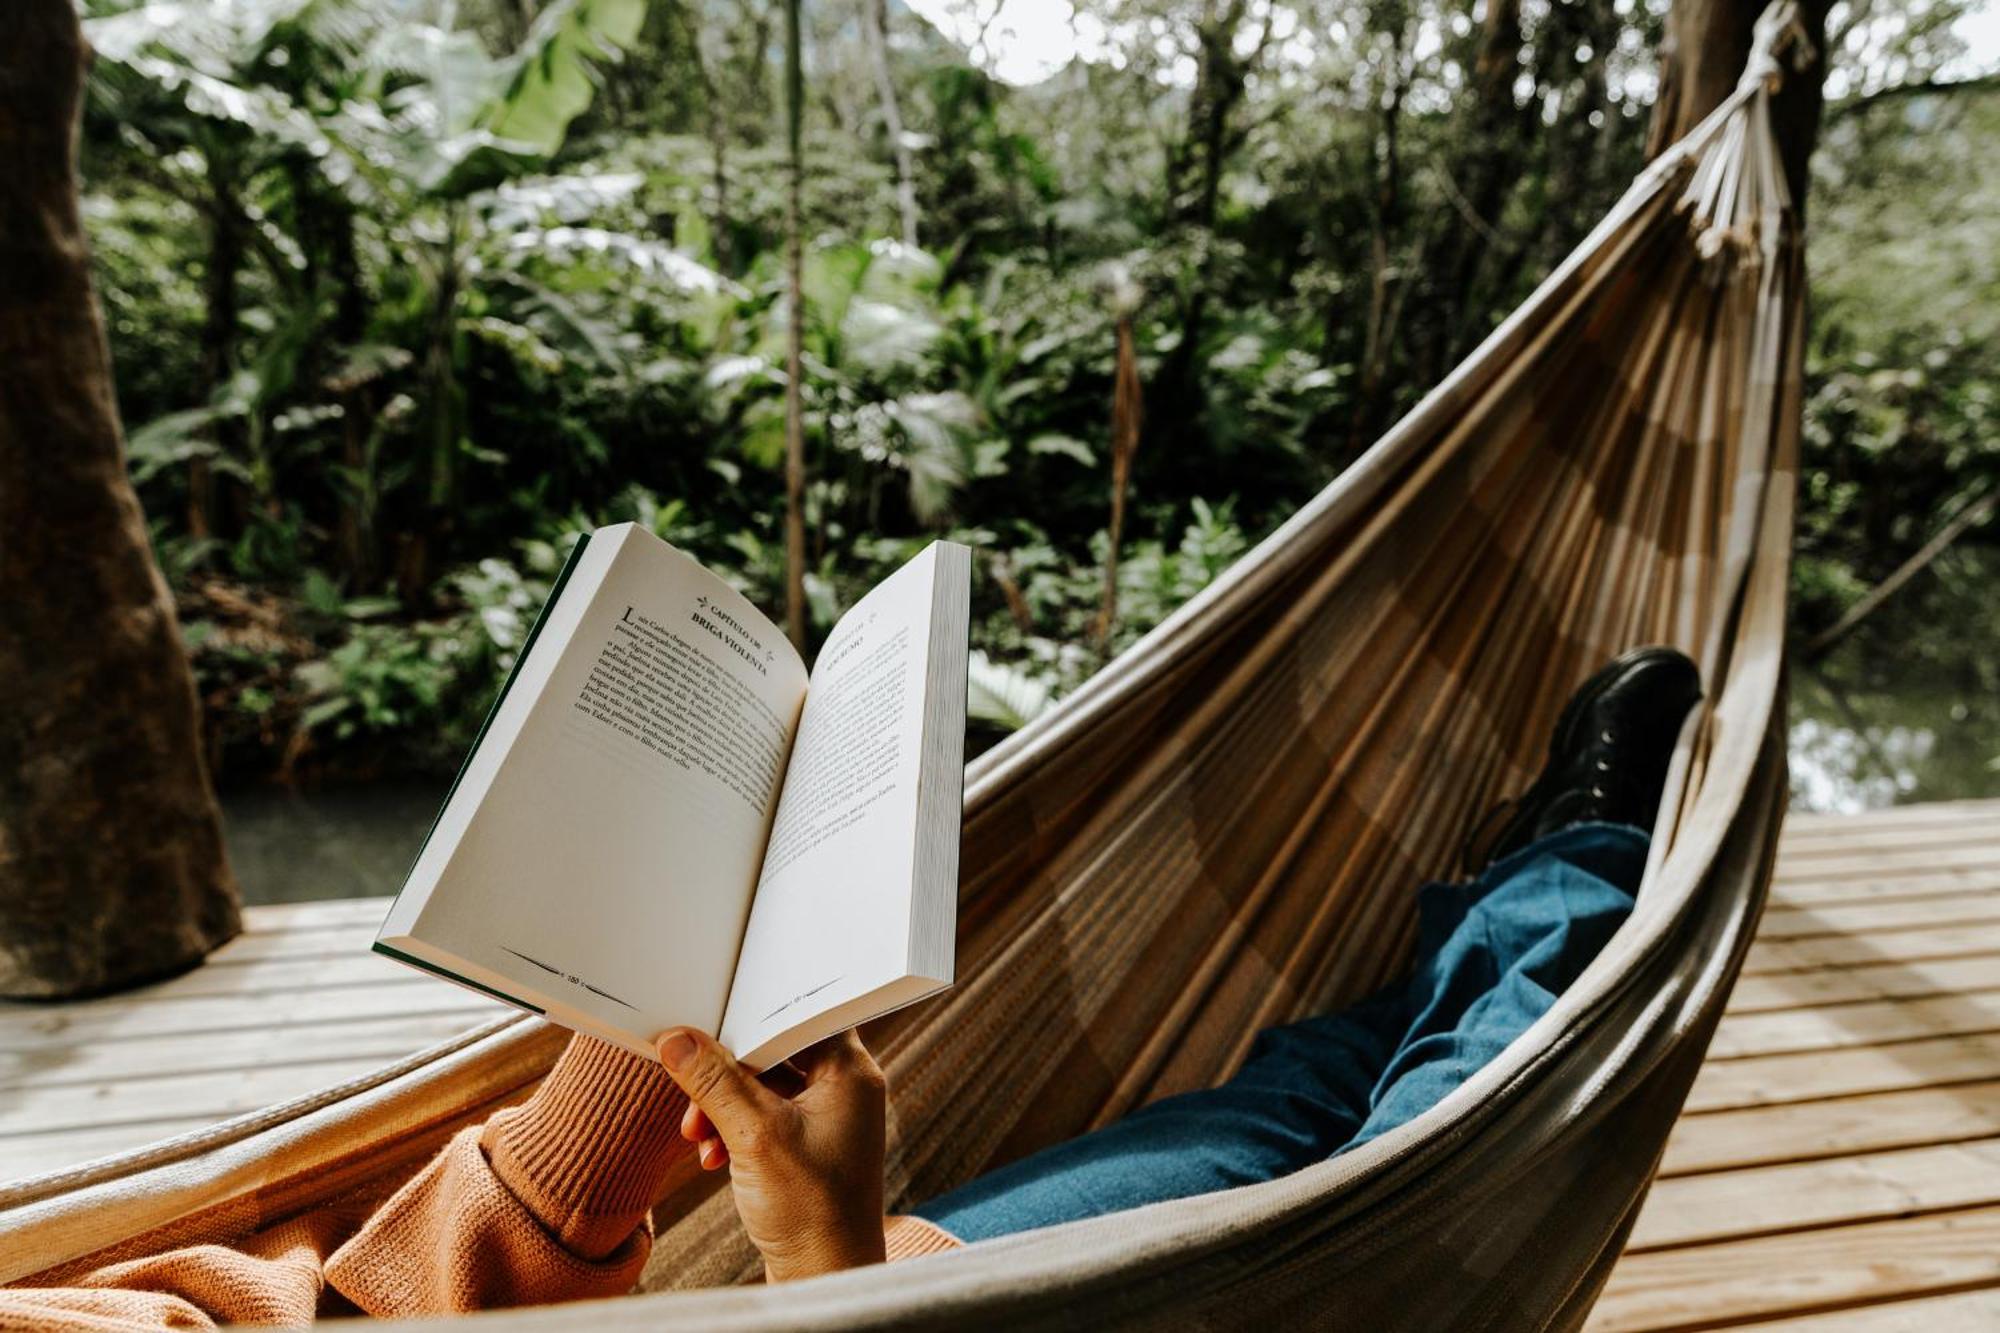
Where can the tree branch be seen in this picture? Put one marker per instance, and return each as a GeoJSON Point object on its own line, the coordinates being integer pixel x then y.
{"type": "Point", "coordinates": [1921, 88]}
{"type": "Point", "coordinates": [1819, 644]}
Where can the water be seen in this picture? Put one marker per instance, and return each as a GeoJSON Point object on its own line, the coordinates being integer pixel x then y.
{"type": "Point", "coordinates": [341, 842]}
{"type": "Point", "coordinates": [1856, 743]}
{"type": "Point", "coordinates": [1860, 742]}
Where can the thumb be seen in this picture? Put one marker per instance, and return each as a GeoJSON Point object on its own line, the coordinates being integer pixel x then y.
{"type": "Point", "coordinates": [728, 1094]}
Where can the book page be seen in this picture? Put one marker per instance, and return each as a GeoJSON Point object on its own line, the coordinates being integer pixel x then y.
{"type": "Point", "coordinates": [831, 920]}
{"type": "Point", "coordinates": [607, 871]}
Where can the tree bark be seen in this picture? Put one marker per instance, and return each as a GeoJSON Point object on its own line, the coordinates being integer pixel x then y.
{"type": "Point", "coordinates": [1702, 54]}
{"type": "Point", "coordinates": [875, 25]}
{"type": "Point", "coordinates": [112, 869]}
{"type": "Point", "coordinates": [1126, 413]}
{"type": "Point", "coordinates": [1482, 171]}
{"type": "Point", "coordinates": [795, 321]}
{"type": "Point", "coordinates": [1384, 223]}
{"type": "Point", "coordinates": [1194, 171]}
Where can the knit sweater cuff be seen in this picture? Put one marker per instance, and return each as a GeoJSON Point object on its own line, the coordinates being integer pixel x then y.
{"type": "Point", "coordinates": [907, 1236]}
{"type": "Point", "coordinates": [588, 1153]}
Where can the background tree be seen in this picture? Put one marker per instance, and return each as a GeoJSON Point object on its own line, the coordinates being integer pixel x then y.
{"type": "Point", "coordinates": [111, 862]}
{"type": "Point", "coordinates": [477, 310]}
{"type": "Point", "coordinates": [1702, 55]}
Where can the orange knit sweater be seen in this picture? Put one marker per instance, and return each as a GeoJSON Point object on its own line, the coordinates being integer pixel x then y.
{"type": "Point", "coordinates": [545, 1202]}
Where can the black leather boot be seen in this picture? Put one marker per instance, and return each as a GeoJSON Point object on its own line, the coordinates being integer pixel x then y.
{"type": "Point", "coordinates": [1608, 758]}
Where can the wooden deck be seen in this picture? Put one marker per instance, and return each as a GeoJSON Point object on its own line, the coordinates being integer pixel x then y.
{"type": "Point", "coordinates": [295, 1003]}
{"type": "Point", "coordinates": [1838, 1167]}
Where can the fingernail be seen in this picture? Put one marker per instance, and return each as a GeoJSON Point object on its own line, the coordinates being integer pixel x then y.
{"type": "Point", "coordinates": [676, 1048]}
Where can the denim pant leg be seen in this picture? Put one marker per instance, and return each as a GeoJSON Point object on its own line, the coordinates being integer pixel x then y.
{"type": "Point", "coordinates": [1492, 956]}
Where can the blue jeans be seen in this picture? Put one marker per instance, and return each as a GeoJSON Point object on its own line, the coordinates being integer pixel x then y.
{"type": "Point", "coordinates": [1492, 956]}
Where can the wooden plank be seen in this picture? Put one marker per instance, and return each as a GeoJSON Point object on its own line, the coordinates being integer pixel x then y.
{"type": "Point", "coordinates": [270, 976]}
{"type": "Point", "coordinates": [328, 912]}
{"type": "Point", "coordinates": [1962, 1312]}
{"type": "Point", "coordinates": [205, 1095]}
{"type": "Point", "coordinates": [324, 942]}
{"type": "Point", "coordinates": [1784, 923]}
{"type": "Point", "coordinates": [1942, 883]}
{"type": "Point", "coordinates": [1766, 1135]}
{"type": "Point", "coordinates": [39, 1154]}
{"type": "Point", "coordinates": [1805, 831]}
{"type": "Point", "coordinates": [1867, 1024]}
{"type": "Point", "coordinates": [1876, 981]}
{"type": "Point", "coordinates": [1778, 1080]}
{"type": "Point", "coordinates": [105, 1020]}
{"type": "Point", "coordinates": [382, 1039]}
{"type": "Point", "coordinates": [1904, 946]}
{"type": "Point", "coordinates": [1808, 824]}
{"type": "Point", "coordinates": [1854, 1081]}
{"type": "Point", "coordinates": [1793, 1196]}
{"type": "Point", "coordinates": [1706, 1286]}
{"type": "Point", "coordinates": [1846, 841]}
{"type": "Point", "coordinates": [1861, 863]}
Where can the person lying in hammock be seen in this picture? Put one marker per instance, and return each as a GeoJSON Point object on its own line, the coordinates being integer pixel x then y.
{"type": "Point", "coordinates": [549, 1201]}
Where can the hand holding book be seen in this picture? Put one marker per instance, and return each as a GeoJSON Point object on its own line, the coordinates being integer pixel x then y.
{"type": "Point", "coordinates": [662, 767]}
{"type": "Point", "coordinates": [808, 1181]}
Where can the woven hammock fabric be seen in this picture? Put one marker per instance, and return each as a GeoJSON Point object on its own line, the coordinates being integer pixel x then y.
{"type": "Point", "coordinates": [1226, 828]}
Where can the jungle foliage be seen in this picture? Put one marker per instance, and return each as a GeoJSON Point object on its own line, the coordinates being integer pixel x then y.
{"type": "Point", "coordinates": [405, 293]}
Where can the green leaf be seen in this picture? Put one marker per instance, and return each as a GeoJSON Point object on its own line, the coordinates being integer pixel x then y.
{"type": "Point", "coordinates": [763, 442]}
{"type": "Point", "coordinates": [936, 430]}
{"type": "Point", "coordinates": [881, 337]}
{"type": "Point", "coordinates": [468, 163]}
{"type": "Point", "coordinates": [1003, 695]}
{"type": "Point", "coordinates": [550, 79]}
{"type": "Point", "coordinates": [624, 251]}
{"type": "Point", "coordinates": [370, 608]}
{"type": "Point", "coordinates": [830, 277]}
{"type": "Point", "coordinates": [174, 438]}
{"type": "Point", "coordinates": [1066, 445]}
{"type": "Point", "coordinates": [320, 593]}
{"type": "Point", "coordinates": [572, 198]}
{"type": "Point", "coordinates": [323, 712]}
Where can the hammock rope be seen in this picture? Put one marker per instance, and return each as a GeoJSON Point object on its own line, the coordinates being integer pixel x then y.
{"type": "Point", "coordinates": [1225, 829]}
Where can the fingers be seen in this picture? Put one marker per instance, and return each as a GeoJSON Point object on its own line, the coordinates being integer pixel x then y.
{"type": "Point", "coordinates": [840, 1057]}
{"type": "Point", "coordinates": [787, 1079]}
{"type": "Point", "coordinates": [727, 1095]}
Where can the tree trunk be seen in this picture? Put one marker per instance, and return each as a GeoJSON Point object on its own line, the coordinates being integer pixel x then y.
{"type": "Point", "coordinates": [1194, 194]}
{"type": "Point", "coordinates": [876, 27]}
{"type": "Point", "coordinates": [357, 401]}
{"type": "Point", "coordinates": [1702, 55]}
{"type": "Point", "coordinates": [1126, 412]}
{"type": "Point", "coordinates": [795, 322]}
{"type": "Point", "coordinates": [1482, 172]}
{"type": "Point", "coordinates": [112, 868]}
{"type": "Point", "coordinates": [1384, 224]}
{"type": "Point", "coordinates": [716, 120]}
{"type": "Point", "coordinates": [221, 307]}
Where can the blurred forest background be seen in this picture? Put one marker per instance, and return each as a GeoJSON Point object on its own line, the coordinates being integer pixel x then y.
{"type": "Point", "coordinates": [402, 294]}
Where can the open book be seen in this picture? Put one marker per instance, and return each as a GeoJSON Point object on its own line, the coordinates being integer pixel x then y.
{"type": "Point", "coordinates": [665, 822]}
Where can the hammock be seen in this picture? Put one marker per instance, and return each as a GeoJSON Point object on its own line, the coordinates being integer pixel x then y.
{"type": "Point", "coordinates": [1225, 830]}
